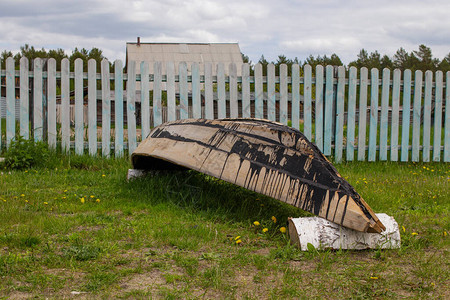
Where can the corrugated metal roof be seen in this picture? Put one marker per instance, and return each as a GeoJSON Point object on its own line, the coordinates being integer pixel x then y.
{"type": "Point", "coordinates": [214, 53]}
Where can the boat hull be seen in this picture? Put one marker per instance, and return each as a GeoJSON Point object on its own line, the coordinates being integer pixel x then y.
{"type": "Point", "coordinates": [262, 156]}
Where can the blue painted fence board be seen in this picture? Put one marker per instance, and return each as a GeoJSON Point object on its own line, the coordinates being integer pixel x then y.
{"type": "Point", "coordinates": [51, 93]}
{"type": "Point", "coordinates": [395, 114]}
{"type": "Point", "coordinates": [10, 101]}
{"type": "Point", "coordinates": [171, 101]}
{"type": "Point", "coordinates": [92, 106]}
{"type": "Point", "coordinates": [307, 87]}
{"type": "Point", "coordinates": [24, 99]}
{"type": "Point", "coordinates": [221, 103]}
{"type": "Point", "coordinates": [373, 130]}
{"type": "Point", "coordinates": [319, 107]}
{"type": "Point", "coordinates": [362, 122]}
{"type": "Point", "coordinates": [145, 99]}
{"type": "Point", "coordinates": [38, 112]}
{"type": "Point", "coordinates": [79, 126]}
{"type": "Point", "coordinates": [131, 106]}
{"type": "Point", "coordinates": [328, 119]}
{"type": "Point", "coordinates": [339, 114]}
{"type": "Point", "coordinates": [283, 94]}
{"type": "Point", "coordinates": [295, 96]}
{"type": "Point", "coordinates": [406, 115]}
{"type": "Point", "coordinates": [233, 91]}
{"type": "Point", "coordinates": [157, 82]}
{"type": "Point", "coordinates": [246, 107]}
{"type": "Point", "coordinates": [417, 109]}
{"type": "Point", "coordinates": [209, 92]}
{"type": "Point", "coordinates": [106, 109]}
{"type": "Point", "coordinates": [259, 108]}
{"type": "Point", "coordinates": [118, 106]}
{"type": "Point", "coordinates": [427, 116]}
{"type": "Point", "coordinates": [438, 117]}
{"type": "Point", "coordinates": [65, 106]}
{"type": "Point", "coordinates": [184, 100]}
{"type": "Point", "coordinates": [384, 114]}
{"type": "Point", "coordinates": [271, 92]}
{"type": "Point", "coordinates": [447, 119]}
{"type": "Point", "coordinates": [196, 101]}
{"type": "Point", "coordinates": [350, 151]}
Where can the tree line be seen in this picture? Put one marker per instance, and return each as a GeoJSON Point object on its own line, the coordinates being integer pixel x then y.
{"type": "Point", "coordinates": [420, 59]}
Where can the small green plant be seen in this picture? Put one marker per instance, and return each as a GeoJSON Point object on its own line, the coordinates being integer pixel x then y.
{"type": "Point", "coordinates": [81, 252]}
{"type": "Point", "coordinates": [24, 154]}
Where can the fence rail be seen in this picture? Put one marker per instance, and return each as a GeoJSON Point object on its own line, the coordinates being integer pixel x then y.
{"type": "Point", "coordinates": [389, 115]}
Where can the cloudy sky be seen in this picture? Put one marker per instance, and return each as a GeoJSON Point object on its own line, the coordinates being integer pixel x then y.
{"type": "Point", "coordinates": [295, 28]}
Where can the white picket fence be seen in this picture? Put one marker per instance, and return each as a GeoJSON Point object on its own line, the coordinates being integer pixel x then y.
{"type": "Point", "coordinates": [346, 113]}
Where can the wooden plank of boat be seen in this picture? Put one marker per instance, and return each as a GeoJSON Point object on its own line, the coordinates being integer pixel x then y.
{"type": "Point", "coordinates": [262, 156]}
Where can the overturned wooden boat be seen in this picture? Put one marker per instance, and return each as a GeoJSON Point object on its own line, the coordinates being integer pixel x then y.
{"type": "Point", "coordinates": [262, 156]}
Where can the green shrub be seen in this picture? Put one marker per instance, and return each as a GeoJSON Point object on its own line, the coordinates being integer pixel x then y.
{"type": "Point", "coordinates": [24, 154]}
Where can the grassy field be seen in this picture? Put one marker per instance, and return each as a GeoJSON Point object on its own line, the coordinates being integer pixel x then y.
{"type": "Point", "coordinates": [76, 228]}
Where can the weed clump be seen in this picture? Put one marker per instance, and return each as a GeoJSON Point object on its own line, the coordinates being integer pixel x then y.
{"type": "Point", "coordinates": [24, 154]}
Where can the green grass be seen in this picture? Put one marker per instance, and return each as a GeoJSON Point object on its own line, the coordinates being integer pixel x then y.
{"type": "Point", "coordinates": [78, 225]}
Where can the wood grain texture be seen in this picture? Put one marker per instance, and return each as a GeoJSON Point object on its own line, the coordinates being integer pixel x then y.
{"type": "Point", "coordinates": [262, 156]}
{"type": "Point", "coordinates": [92, 106]}
{"type": "Point", "coordinates": [24, 99]}
{"type": "Point", "coordinates": [323, 234]}
{"type": "Point", "coordinates": [10, 102]}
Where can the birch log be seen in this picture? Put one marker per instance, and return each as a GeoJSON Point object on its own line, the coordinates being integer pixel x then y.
{"type": "Point", "coordinates": [323, 234]}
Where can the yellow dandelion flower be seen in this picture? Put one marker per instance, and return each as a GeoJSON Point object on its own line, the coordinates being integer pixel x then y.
{"type": "Point", "coordinates": [445, 233]}
{"type": "Point", "coordinates": [65, 191]}
{"type": "Point", "coordinates": [26, 201]}
{"type": "Point", "coordinates": [103, 175]}
{"type": "Point", "coordinates": [64, 197]}
{"type": "Point", "coordinates": [22, 195]}
{"type": "Point", "coordinates": [283, 229]}
{"type": "Point", "coordinates": [45, 203]}
{"type": "Point", "coordinates": [98, 200]}
{"type": "Point", "coordinates": [237, 238]}
{"type": "Point", "coordinates": [274, 219]}
{"type": "Point", "coordinates": [256, 223]}
{"type": "Point", "coordinates": [403, 228]}
{"type": "Point", "coordinates": [92, 196]}
{"type": "Point", "coordinates": [238, 242]}
{"type": "Point", "coordinates": [82, 200]}
{"type": "Point", "coordinates": [414, 233]}
{"type": "Point", "coordinates": [373, 277]}
{"type": "Point", "coordinates": [265, 230]}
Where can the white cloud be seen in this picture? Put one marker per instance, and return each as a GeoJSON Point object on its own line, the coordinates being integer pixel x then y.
{"type": "Point", "coordinates": [295, 28]}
